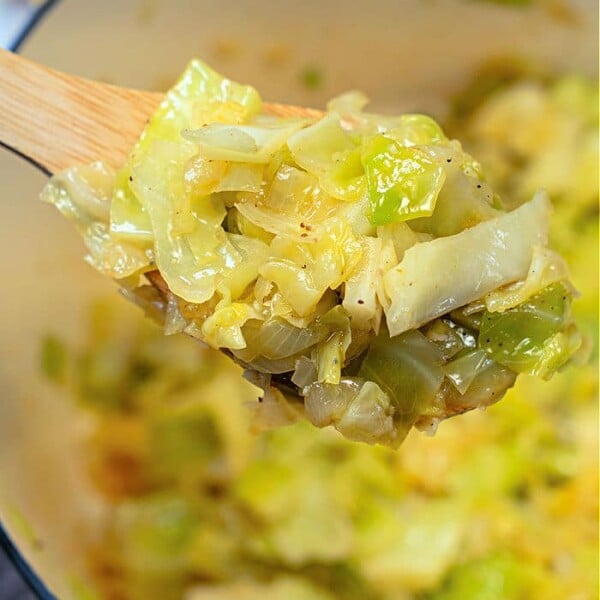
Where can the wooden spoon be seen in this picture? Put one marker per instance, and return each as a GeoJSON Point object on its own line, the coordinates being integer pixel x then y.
{"type": "Point", "coordinates": [56, 120]}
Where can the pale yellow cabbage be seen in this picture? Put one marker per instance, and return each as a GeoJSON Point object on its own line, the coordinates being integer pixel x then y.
{"type": "Point", "coordinates": [82, 195]}
{"type": "Point", "coordinates": [314, 250]}
{"type": "Point", "coordinates": [438, 276]}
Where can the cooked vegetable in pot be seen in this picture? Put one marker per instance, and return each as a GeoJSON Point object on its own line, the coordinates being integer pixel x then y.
{"type": "Point", "coordinates": [359, 263]}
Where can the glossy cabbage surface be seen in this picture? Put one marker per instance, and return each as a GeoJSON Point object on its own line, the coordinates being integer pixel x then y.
{"type": "Point", "coordinates": [360, 262]}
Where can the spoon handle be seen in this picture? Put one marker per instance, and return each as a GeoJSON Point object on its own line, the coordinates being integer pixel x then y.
{"type": "Point", "coordinates": [57, 120]}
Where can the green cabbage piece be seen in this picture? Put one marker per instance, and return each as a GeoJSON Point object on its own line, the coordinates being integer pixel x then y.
{"type": "Point", "coordinates": [331, 353]}
{"type": "Point", "coordinates": [417, 130]}
{"type": "Point", "coordinates": [407, 130]}
{"type": "Point", "coordinates": [403, 183]}
{"type": "Point", "coordinates": [275, 213]}
{"type": "Point", "coordinates": [484, 382]}
{"type": "Point", "coordinates": [531, 337]}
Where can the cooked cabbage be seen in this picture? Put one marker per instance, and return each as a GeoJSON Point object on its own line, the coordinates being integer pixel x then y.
{"type": "Point", "coordinates": [438, 276]}
{"type": "Point", "coordinates": [321, 252]}
{"type": "Point", "coordinates": [532, 335]}
{"type": "Point", "coordinates": [82, 195]}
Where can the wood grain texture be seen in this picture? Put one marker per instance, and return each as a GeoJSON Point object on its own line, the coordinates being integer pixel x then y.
{"type": "Point", "coordinates": [58, 120]}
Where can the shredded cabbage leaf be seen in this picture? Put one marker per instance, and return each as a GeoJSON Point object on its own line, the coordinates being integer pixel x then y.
{"type": "Point", "coordinates": [438, 276]}
{"type": "Point", "coordinates": [82, 195]}
{"type": "Point", "coordinates": [200, 97]}
{"type": "Point", "coordinates": [403, 182]}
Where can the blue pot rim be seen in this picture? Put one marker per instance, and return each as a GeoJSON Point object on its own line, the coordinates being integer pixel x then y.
{"type": "Point", "coordinates": [29, 576]}
{"type": "Point", "coordinates": [35, 18]}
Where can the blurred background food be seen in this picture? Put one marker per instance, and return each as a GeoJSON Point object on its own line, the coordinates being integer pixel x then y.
{"type": "Point", "coordinates": [184, 499]}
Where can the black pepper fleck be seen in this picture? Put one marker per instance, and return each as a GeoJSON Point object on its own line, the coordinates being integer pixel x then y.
{"type": "Point", "coordinates": [360, 301]}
